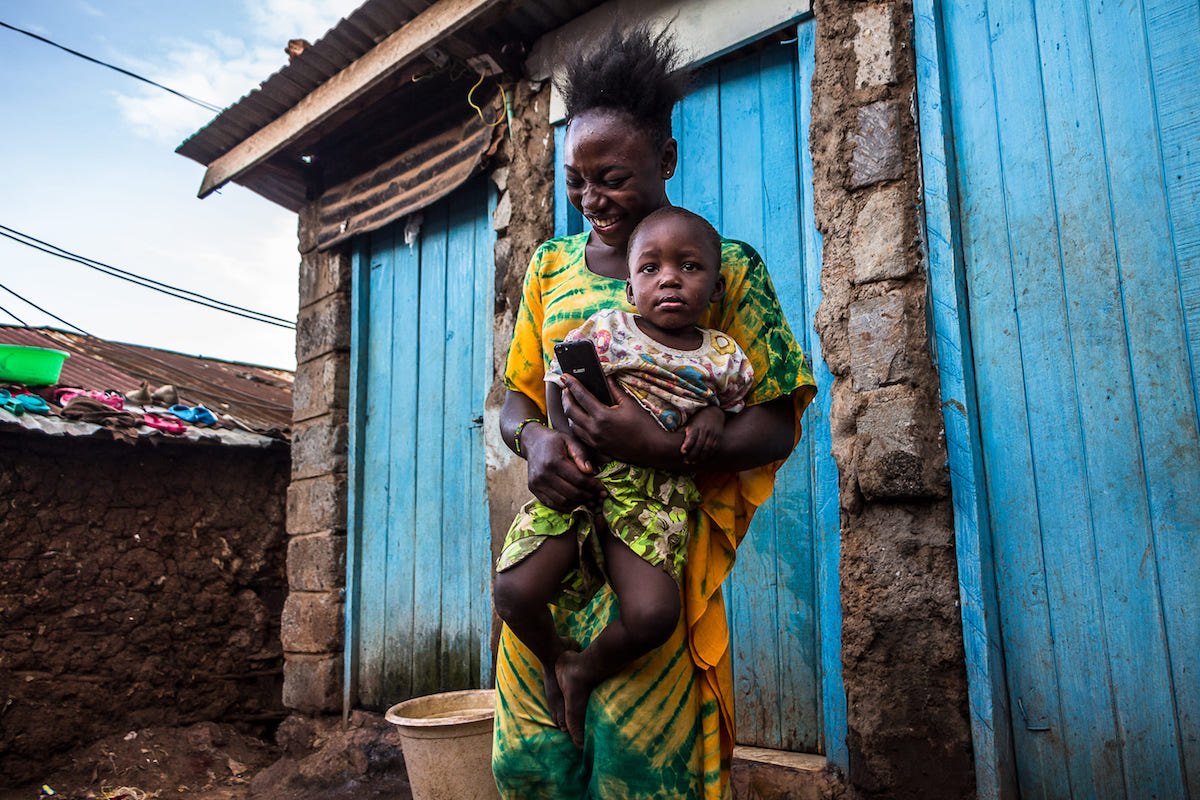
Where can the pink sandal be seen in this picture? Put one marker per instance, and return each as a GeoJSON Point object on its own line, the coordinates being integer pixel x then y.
{"type": "Point", "coordinates": [165, 424]}
{"type": "Point", "coordinates": [109, 398]}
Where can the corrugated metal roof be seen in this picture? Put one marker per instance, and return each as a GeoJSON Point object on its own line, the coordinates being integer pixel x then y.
{"type": "Point", "coordinates": [258, 397]}
{"type": "Point", "coordinates": [285, 178]}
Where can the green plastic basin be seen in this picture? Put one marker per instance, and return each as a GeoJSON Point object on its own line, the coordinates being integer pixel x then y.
{"type": "Point", "coordinates": [32, 366]}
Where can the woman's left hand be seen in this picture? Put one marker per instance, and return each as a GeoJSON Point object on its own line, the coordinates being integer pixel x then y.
{"type": "Point", "coordinates": [623, 431]}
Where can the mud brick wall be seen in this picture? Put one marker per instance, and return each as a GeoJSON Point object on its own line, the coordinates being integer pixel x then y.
{"type": "Point", "coordinates": [313, 616]}
{"type": "Point", "coordinates": [902, 652]}
{"type": "Point", "coordinates": [139, 585]}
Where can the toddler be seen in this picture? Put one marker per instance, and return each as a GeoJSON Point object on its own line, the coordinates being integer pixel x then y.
{"type": "Point", "coordinates": [687, 378]}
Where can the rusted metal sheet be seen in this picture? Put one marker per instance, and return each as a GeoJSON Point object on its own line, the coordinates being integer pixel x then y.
{"type": "Point", "coordinates": [285, 179]}
{"type": "Point", "coordinates": [420, 175]}
{"type": "Point", "coordinates": [258, 397]}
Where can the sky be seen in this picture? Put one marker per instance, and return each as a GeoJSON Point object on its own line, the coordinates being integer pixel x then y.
{"type": "Point", "coordinates": [87, 163]}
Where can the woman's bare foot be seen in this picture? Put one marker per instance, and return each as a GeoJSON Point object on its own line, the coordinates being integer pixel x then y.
{"type": "Point", "coordinates": [576, 690]}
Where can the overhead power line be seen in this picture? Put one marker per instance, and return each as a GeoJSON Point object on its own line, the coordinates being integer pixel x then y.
{"type": "Point", "coordinates": [189, 98]}
{"type": "Point", "coordinates": [14, 316]}
{"type": "Point", "coordinates": [44, 311]}
{"type": "Point", "coordinates": [147, 283]}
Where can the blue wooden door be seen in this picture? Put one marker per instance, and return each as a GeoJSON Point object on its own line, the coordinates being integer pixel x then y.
{"type": "Point", "coordinates": [1076, 152]}
{"type": "Point", "coordinates": [743, 153]}
{"type": "Point", "coordinates": [744, 164]}
{"type": "Point", "coordinates": [419, 600]}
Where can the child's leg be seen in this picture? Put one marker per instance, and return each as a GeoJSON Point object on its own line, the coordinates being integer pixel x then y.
{"type": "Point", "coordinates": [522, 596]}
{"type": "Point", "coordinates": [649, 605]}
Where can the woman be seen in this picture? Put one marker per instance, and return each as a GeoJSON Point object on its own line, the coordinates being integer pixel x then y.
{"type": "Point", "coordinates": [664, 726]}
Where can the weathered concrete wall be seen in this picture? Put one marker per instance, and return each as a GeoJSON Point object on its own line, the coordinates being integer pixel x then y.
{"type": "Point", "coordinates": [524, 176]}
{"type": "Point", "coordinates": [139, 585]}
{"type": "Point", "coordinates": [902, 657]}
{"type": "Point", "coordinates": [312, 626]}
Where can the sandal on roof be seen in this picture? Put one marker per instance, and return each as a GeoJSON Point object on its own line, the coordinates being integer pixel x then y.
{"type": "Point", "coordinates": [198, 414]}
{"type": "Point", "coordinates": [10, 405]}
{"type": "Point", "coordinates": [32, 403]}
{"type": "Point", "coordinates": [164, 424]}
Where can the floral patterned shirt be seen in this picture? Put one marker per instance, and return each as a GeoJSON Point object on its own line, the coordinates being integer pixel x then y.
{"type": "Point", "coordinates": [669, 383]}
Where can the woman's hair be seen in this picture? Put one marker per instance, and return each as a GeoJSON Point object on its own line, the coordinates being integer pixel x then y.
{"type": "Point", "coordinates": [629, 70]}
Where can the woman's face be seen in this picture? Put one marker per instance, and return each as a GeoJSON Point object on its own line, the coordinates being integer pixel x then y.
{"type": "Point", "coordinates": [614, 174]}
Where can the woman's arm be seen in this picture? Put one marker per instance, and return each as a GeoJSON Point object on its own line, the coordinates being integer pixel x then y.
{"type": "Point", "coordinates": [559, 472]}
{"type": "Point", "coordinates": [759, 435]}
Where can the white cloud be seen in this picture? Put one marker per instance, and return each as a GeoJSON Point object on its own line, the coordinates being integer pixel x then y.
{"type": "Point", "coordinates": [219, 68]}
{"type": "Point", "coordinates": [280, 20]}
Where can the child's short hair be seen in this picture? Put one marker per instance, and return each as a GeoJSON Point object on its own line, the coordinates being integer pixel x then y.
{"type": "Point", "coordinates": [711, 237]}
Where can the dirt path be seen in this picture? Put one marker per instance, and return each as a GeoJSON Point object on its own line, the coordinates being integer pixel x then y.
{"type": "Point", "coordinates": [311, 759]}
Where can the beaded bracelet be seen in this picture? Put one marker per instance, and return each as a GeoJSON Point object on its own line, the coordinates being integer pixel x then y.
{"type": "Point", "coordinates": [521, 427]}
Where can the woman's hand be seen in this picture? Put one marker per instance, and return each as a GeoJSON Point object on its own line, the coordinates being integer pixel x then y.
{"type": "Point", "coordinates": [623, 431]}
{"type": "Point", "coordinates": [759, 435]}
{"type": "Point", "coordinates": [560, 472]}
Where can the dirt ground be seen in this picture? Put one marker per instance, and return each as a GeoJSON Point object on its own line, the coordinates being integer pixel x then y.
{"type": "Point", "coordinates": [309, 759]}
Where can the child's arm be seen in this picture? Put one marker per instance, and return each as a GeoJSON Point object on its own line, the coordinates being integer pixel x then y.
{"type": "Point", "coordinates": [702, 434]}
{"type": "Point", "coordinates": [581, 453]}
{"type": "Point", "coordinates": [554, 408]}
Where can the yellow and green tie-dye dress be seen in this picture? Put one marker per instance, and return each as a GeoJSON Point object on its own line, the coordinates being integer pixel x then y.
{"type": "Point", "coordinates": [663, 727]}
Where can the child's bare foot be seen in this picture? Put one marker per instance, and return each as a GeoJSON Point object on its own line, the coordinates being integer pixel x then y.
{"type": "Point", "coordinates": [576, 690]}
{"type": "Point", "coordinates": [554, 694]}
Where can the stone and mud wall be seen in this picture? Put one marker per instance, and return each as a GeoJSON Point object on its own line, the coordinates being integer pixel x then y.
{"type": "Point", "coordinates": [902, 651]}
{"type": "Point", "coordinates": [139, 585]}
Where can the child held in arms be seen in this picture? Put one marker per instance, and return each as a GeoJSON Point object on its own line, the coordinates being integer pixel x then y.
{"type": "Point", "coordinates": [687, 378]}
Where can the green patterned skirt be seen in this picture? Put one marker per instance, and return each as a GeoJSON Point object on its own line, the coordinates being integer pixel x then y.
{"type": "Point", "coordinates": [650, 732]}
{"type": "Point", "coordinates": [646, 508]}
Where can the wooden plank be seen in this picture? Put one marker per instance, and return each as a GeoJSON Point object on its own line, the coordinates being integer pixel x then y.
{"type": "Point", "coordinates": [1166, 414]}
{"type": "Point", "coordinates": [484, 373]}
{"type": "Point", "coordinates": [416, 36]}
{"type": "Point", "coordinates": [429, 580]}
{"type": "Point", "coordinates": [376, 478]}
{"type": "Point", "coordinates": [795, 568]}
{"type": "Point", "coordinates": [816, 435]}
{"type": "Point", "coordinates": [1052, 407]}
{"type": "Point", "coordinates": [698, 131]}
{"type": "Point", "coordinates": [567, 219]}
{"type": "Point", "coordinates": [459, 578]}
{"type": "Point", "coordinates": [1096, 276]}
{"type": "Point", "coordinates": [1000, 385]}
{"type": "Point", "coordinates": [754, 613]}
{"type": "Point", "coordinates": [359, 338]}
{"type": "Point", "coordinates": [991, 731]}
{"type": "Point", "coordinates": [1173, 37]}
{"type": "Point", "coordinates": [400, 430]}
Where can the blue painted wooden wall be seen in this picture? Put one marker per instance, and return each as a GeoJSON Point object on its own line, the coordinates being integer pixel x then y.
{"type": "Point", "coordinates": [744, 164]}
{"type": "Point", "coordinates": [419, 572]}
{"type": "Point", "coordinates": [1073, 152]}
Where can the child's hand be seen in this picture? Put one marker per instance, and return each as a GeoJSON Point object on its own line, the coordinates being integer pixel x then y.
{"type": "Point", "coordinates": [702, 434]}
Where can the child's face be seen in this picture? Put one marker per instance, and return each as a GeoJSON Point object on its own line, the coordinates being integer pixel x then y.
{"type": "Point", "coordinates": [674, 273]}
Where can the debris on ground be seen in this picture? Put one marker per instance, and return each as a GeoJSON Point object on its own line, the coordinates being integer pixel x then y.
{"type": "Point", "coordinates": [311, 759]}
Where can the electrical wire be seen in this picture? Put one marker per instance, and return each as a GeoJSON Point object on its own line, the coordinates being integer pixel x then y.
{"type": "Point", "coordinates": [147, 353]}
{"type": "Point", "coordinates": [189, 98]}
{"type": "Point", "coordinates": [147, 283]}
{"type": "Point", "coordinates": [44, 311]}
{"type": "Point", "coordinates": [14, 316]}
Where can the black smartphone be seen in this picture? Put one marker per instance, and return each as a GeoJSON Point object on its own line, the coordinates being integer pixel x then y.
{"type": "Point", "coordinates": [579, 360]}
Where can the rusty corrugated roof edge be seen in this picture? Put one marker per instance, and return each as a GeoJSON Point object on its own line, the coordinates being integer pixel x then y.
{"type": "Point", "coordinates": [258, 398]}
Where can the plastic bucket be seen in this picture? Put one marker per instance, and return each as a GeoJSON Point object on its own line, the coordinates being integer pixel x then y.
{"type": "Point", "coordinates": [447, 744]}
{"type": "Point", "coordinates": [32, 366]}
